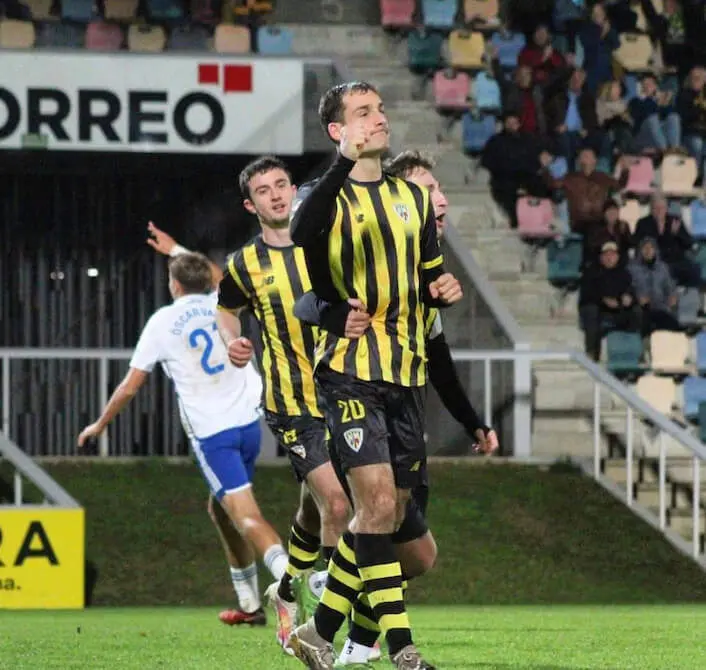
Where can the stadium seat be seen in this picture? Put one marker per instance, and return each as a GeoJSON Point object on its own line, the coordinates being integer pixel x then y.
{"type": "Point", "coordinates": [624, 351]}
{"type": "Point", "coordinates": [485, 10]}
{"type": "Point", "coordinates": [630, 213]}
{"type": "Point", "coordinates": [701, 353]}
{"type": "Point", "coordinates": [688, 307]}
{"type": "Point", "coordinates": [424, 50]}
{"type": "Point", "coordinates": [669, 353]}
{"type": "Point", "coordinates": [101, 36]}
{"type": "Point", "coordinates": [249, 7]}
{"type": "Point", "coordinates": [204, 12]}
{"type": "Point", "coordinates": [477, 129]}
{"type": "Point", "coordinates": [564, 260]}
{"type": "Point", "coordinates": [486, 92]}
{"type": "Point", "coordinates": [659, 392]}
{"type": "Point", "coordinates": [509, 46]}
{"type": "Point", "coordinates": [700, 259]}
{"type": "Point", "coordinates": [81, 11]}
{"type": "Point", "coordinates": [466, 49]}
{"type": "Point", "coordinates": [165, 10]}
{"type": "Point", "coordinates": [188, 37]}
{"type": "Point", "coordinates": [397, 13]}
{"type": "Point", "coordinates": [144, 38]}
{"type": "Point", "coordinates": [40, 9]}
{"type": "Point", "coordinates": [698, 219]}
{"type": "Point", "coordinates": [632, 86]}
{"type": "Point", "coordinates": [274, 40]}
{"type": "Point", "coordinates": [679, 175]}
{"type": "Point", "coordinates": [16, 34]}
{"type": "Point", "coordinates": [439, 13]}
{"type": "Point", "coordinates": [535, 218]}
{"type": "Point", "coordinates": [62, 35]}
{"type": "Point", "coordinates": [634, 53]}
{"type": "Point", "coordinates": [641, 174]}
{"type": "Point", "coordinates": [451, 90]}
{"type": "Point", "coordinates": [558, 168]}
{"type": "Point", "coordinates": [120, 10]}
{"type": "Point", "coordinates": [694, 389]}
{"type": "Point", "coordinates": [230, 39]}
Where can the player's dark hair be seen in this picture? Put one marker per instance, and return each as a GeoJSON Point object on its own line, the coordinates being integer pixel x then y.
{"type": "Point", "coordinates": [260, 165]}
{"type": "Point", "coordinates": [331, 104]}
{"type": "Point", "coordinates": [403, 164]}
{"type": "Point", "coordinates": [193, 272]}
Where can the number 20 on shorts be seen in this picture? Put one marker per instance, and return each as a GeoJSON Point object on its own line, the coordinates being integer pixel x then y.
{"type": "Point", "coordinates": [351, 410]}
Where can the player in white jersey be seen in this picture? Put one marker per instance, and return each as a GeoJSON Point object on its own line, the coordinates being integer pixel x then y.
{"type": "Point", "coordinates": [219, 406]}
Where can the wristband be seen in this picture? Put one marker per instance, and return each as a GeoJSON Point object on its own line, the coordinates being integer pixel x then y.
{"type": "Point", "coordinates": [178, 250]}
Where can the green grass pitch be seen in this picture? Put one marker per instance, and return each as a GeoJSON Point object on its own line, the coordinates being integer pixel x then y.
{"type": "Point", "coordinates": [493, 638]}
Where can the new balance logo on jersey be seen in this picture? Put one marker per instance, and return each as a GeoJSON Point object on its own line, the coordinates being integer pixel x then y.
{"type": "Point", "coordinates": [354, 438]}
{"type": "Point", "coordinates": [269, 280]}
{"type": "Point", "coordinates": [402, 212]}
{"type": "Point", "coordinates": [416, 466]}
{"type": "Point", "coordinates": [299, 450]}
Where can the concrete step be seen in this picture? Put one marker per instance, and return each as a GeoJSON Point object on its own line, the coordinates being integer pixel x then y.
{"type": "Point", "coordinates": [569, 390]}
{"type": "Point", "coordinates": [647, 494]}
{"type": "Point", "coordinates": [554, 443]}
{"type": "Point", "coordinates": [681, 522]}
{"type": "Point", "coordinates": [547, 335]}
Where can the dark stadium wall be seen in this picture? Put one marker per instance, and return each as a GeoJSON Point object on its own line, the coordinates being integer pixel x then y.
{"type": "Point", "coordinates": [351, 12]}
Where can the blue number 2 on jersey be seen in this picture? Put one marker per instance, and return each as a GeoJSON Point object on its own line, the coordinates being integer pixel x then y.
{"type": "Point", "coordinates": [201, 334]}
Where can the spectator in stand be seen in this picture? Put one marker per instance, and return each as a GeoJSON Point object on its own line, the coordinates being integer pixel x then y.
{"type": "Point", "coordinates": [673, 241]}
{"type": "Point", "coordinates": [614, 118]}
{"type": "Point", "coordinates": [541, 57]}
{"type": "Point", "coordinates": [513, 160]}
{"type": "Point", "coordinates": [570, 111]}
{"type": "Point", "coordinates": [656, 124]}
{"type": "Point", "coordinates": [655, 289]}
{"type": "Point", "coordinates": [607, 300]}
{"type": "Point", "coordinates": [587, 191]}
{"type": "Point", "coordinates": [691, 105]}
{"type": "Point", "coordinates": [611, 229]}
{"type": "Point", "coordinates": [599, 41]}
{"type": "Point", "coordinates": [521, 96]}
{"type": "Point", "coordinates": [668, 29]}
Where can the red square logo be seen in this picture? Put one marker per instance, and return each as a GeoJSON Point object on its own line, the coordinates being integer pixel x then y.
{"type": "Point", "coordinates": [237, 79]}
{"type": "Point", "coordinates": [208, 74]}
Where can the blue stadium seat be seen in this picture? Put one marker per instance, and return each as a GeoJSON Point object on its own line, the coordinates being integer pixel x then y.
{"type": "Point", "coordinates": [439, 13]}
{"type": "Point", "coordinates": [564, 258]}
{"type": "Point", "coordinates": [274, 40]}
{"type": "Point", "coordinates": [698, 219]}
{"type": "Point", "coordinates": [477, 130]}
{"type": "Point", "coordinates": [688, 308]}
{"type": "Point", "coordinates": [701, 353]}
{"type": "Point", "coordinates": [424, 50]}
{"type": "Point", "coordinates": [624, 352]}
{"type": "Point", "coordinates": [165, 10]}
{"type": "Point", "coordinates": [631, 86]}
{"type": "Point", "coordinates": [700, 258]}
{"type": "Point", "coordinates": [188, 38]}
{"type": "Point", "coordinates": [62, 35]}
{"type": "Point", "coordinates": [694, 393]}
{"type": "Point", "coordinates": [80, 11]}
{"type": "Point", "coordinates": [509, 47]}
{"type": "Point", "coordinates": [486, 92]}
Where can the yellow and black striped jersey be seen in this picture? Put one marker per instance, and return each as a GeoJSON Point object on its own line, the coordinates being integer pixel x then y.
{"type": "Point", "coordinates": [269, 280]}
{"type": "Point", "coordinates": [382, 237]}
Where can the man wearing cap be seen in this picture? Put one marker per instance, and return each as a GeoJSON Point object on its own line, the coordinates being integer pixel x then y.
{"type": "Point", "coordinates": [607, 301]}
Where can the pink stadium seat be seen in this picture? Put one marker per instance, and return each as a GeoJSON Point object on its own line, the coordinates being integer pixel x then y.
{"type": "Point", "coordinates": [397, 13]}
{"type": "Point", "coordinates": [535, 218]}
{"type": "Point", "coordinates": [640, 176]}
{"type": "Point", "coordinates": [451, 92]}
{"type": "Point", "coordinates": [103, 36]}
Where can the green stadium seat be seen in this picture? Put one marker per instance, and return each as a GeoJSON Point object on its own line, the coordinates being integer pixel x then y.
{"type": "Point", "coordinates": [624, 353]}
{"type": "Point", "coordinates": [564, 258]}
{"type": "Point", "coordinates": [424, 50]}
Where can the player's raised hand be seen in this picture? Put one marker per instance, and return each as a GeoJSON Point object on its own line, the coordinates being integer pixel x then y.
{"type": "Point", "coordinates": [446, 288]}
{"type": "Point", "coordinates": [160, 241]}
{"type": "Point", "coordinates": [486, 443]}
{"type": "Point", "coordinates": [358, 320]}
{"type": "Point", "coordinates": [353, 140]}
{"type": "Point", "coordinates": [89, 433]}
{"type": "Point", "coordinates": [240, 352]}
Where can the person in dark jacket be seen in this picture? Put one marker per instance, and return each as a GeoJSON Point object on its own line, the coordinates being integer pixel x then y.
{"type": "Point", "coordinates": [599, 41]}
{"type": "Point", "coordinates": [570, 112]}
{"type": "Point", "coordinates": [513, 160]}
{"type": "Point", "coordinates": [655, 289]}
{"type": "Point", "coordinates": [673, 241]}
{"type": "Point", "coordinates": [691, 105]}
{"type": "Point", "coordinates": [669, 30]}
{"type": "Point", "coordinates": [539, 55]}
{"type": "Point", "coordinates": [656, 124]}
{"type": "Point", "coordinates": [610, 229]}
{"type": "Point", "coordinates": [607, 300]}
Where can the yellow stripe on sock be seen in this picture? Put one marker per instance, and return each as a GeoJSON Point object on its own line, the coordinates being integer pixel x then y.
{"type": "Point", "coordinates": [363, 621]}
{"type": "Point", "coordinates": [382, 571]}
{"type": "Point", "coordinates": [335, 602]}
{"type": "Point", "coordinates": [388, 621]}
{"type": "Point", "coordinates": [392, 595]}
{"type": "Point", "coordinates": [292, 571]}
{"type": "Point", "coordinates": [346, 551]}
{"type": "Point", "coordinates": [351, 581]}
{"type": "Point", "coordinates": [301, 555]}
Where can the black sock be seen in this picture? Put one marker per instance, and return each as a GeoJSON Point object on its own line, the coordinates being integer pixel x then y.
{"type": "Point", "coordinates": [364, 627]}
{"type": "Point", "coordinates": [382, 580]}
{"type": "Point", "coordinates": [303, 552]}
{"type": "Point", "coordinates": [327, 552]}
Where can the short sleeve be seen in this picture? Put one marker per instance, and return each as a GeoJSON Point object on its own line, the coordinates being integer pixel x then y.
{"type": "Point", "coordinates": [148, 351]}
{"type": "Point", "coordinates": [231, 292]}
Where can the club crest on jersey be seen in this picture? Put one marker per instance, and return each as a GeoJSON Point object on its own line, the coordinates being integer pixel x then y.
{"type": "Point", "coordinates": [354, 438]}
{"type": "Point", "coordinates": [403, 212]}
{"type": "Point", "coordinates": [299, 450]}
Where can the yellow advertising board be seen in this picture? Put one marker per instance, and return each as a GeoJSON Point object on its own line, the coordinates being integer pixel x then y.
{"type": "Point", "coordinates": [41, 558]}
